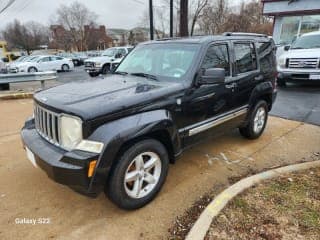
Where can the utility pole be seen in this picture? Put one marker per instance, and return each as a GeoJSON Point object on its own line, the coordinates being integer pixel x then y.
{"type": "Point", "coordinates": [171, 18]}
{"type": "Point", "coordinates": [184, 18]}
{"type": "Point", "coordinates": [151, 19]}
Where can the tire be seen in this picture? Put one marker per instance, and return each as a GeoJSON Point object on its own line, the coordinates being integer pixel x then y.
{"type": "Point", "coordinates": [106, 69]}
{"type": "Point", "coordinates": [65, 68]}
{"type": "Point", "coordinates": [4, 86]}
{"type": "Point", "coordinates": [281, 83]}
{"type": "Point", "coordinates": [32, 70]}
{"type": "Point", "coordinates": [93, 74]}
{"type": "Point", "coordinates": [257, 121]}
{"type": "Point", "coordinates": [122, 192]}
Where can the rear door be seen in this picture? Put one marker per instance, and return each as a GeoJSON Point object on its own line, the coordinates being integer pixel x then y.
{"type": "Point", "coordinates": [44, 64]}
{"type": "Point", "coordinates": [246, 71]}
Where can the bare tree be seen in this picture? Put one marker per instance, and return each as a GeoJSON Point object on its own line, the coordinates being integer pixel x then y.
{"type": "Point", "coordinates": [28, 36]}
{"type": "Point", "coordinates": [196, 9]}
{"type": "Point", "coordinates": [73, 18]}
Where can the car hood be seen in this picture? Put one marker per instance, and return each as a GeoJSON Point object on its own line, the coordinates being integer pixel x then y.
{"type": "Point", "coordinates": [302, 53]}
{"type": "Point", "coordinates": [98, 97]}
{"type": "Point", "coordinates": [99, 59]}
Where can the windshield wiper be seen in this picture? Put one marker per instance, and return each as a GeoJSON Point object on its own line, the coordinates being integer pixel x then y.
{"type": "Point", "coordinates": [297, 48]}
{"type": "Point", "coordinates": [145, 75]}
{"type": "Point", "coordinates": [120, 73]}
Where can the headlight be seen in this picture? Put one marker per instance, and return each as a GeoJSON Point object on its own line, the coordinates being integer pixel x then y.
{"type": "Point", "coordinates": [71, 131]}
{"type": "Point", "coordinates": [282, 62]}
{"type": "Point", "coordinates": [71, 136]}
{"type": "Point", "coordinates": [98, 64]}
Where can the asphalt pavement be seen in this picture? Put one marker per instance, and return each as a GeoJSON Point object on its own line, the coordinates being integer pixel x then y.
{"type": "Point", "coordinates": [298, 102]}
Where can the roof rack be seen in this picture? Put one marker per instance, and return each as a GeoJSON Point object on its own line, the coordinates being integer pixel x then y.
{"type": "Point", "coordinates": [244, 34]}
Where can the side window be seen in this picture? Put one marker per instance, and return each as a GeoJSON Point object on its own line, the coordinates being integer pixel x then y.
{"type": "Point", "coordinates": [217, 56]}
{"type": "Point", "coordinates": [45, 59]}
{"type": "Point", "coordinates": [246, 57]}
{"type": "Point", "coordinates": [122, 52]}
{"type": "Point", "coordinates": [267, 57]}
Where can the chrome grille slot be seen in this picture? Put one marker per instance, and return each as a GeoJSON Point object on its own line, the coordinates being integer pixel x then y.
{"type": "Point", "coordinates": [47, 124]}
{"type": "Point", "coordinates": [303, 63]}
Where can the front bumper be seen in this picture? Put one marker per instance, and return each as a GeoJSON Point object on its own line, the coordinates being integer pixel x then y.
{"type": "Point", "coordinates": [299, 75]}
{"type": "Point", "coordinates": [93, 69]}
{"type": "Point", "coordinates": [65, 167]}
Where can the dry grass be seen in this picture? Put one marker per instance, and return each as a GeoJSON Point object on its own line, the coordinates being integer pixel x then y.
{"type": "Point", "coordinates": [283, 208]}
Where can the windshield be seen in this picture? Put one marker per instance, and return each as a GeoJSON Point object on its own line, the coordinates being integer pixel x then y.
{"type": "Point", "coordinates": [109, 52]}
{"type": "Point", "coordinates": [307, 42]}
{"type": "Point", "coordinates": [163, 61]}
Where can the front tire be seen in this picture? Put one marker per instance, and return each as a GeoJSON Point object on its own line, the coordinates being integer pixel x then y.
{"type": "Point", "coordinates": [93, 74]}
{"type": "Point", "coordinates": [257, 121]}
{"type": "Point", "coordinates": [138, 175]}
{"type": "Point", "coordinates": [106, 69]}
{"type": "Point", "coordinates": [65, 68]}
{"type": "Point", "coordinates": [281, 83]}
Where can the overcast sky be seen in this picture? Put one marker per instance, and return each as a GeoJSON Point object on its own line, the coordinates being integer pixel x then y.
{"type": "Point", "coordinates": [112, 13]}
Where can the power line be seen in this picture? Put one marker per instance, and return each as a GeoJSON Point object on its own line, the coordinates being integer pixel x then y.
{"type": "Point", "coordinates": [7, 6]}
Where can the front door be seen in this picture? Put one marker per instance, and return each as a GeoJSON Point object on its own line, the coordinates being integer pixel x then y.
{"type": "Point", "coordinates": [203, 105]}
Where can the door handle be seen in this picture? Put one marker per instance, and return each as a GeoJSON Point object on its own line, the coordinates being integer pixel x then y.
{"type": "Point", "coordinates": [231, 85]}
{"type": "Point", "coordinates": [258, 78]}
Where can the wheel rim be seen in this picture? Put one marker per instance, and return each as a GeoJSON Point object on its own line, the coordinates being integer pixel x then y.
{"type": "Point", "coordinates": [142, 174]}
{"type": "Point", "coordinates": [259, 120]}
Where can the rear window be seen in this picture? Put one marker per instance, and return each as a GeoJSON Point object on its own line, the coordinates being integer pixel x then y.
{"type": "Point", "coordinates": [246, 57]}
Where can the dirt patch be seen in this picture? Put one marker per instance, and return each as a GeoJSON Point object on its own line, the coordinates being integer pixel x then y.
{"type": "Point", "coordinates": [245, 217]}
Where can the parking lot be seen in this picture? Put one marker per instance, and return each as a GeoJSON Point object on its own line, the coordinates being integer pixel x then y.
{"type": "Point", "coordinates": [26, 192]}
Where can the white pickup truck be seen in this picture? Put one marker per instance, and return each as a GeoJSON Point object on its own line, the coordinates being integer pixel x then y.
{"type": "Point", "coordinates": [108, 60]}
{"type": "Point", "coordinates": [301, 61]}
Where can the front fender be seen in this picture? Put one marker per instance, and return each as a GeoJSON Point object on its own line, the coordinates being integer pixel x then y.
{"type": "Point", "coordinates": [116, 133]}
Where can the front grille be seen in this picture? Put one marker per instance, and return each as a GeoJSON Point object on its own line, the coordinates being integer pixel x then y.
{"type": "Point", "coordinates": [47, 124]}
{"type": "Point", "coordinates": [89, 64]}
{"type": "Point", "coordinates": [304, 63]}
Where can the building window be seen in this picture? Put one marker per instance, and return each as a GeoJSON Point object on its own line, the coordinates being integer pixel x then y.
{"type": "Point", "coordinates": [290, 30]}
{"type": "Point", "coordinates": [294, 26]}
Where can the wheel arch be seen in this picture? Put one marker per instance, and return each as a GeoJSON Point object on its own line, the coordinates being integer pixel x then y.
{"type": "Point", "coordinates": [120, 134]}
{"type": "Point", "coordinates": [262, 91]}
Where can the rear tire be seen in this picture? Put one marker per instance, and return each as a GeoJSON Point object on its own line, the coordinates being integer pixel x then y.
{"type": "Point", "coordinates": [32, 70]}
{"type": "Point", "coordinates": [257, 121]}
{"type": "Point", "coordinates": [138, 174]}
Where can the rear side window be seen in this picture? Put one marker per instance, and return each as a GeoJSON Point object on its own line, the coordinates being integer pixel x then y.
{"type": "Point", "coordinates": [217, 56]}
{"type": "Point", "coordinates": [267, 56]}
{"type": "Point", "coordinates": [246, 57]}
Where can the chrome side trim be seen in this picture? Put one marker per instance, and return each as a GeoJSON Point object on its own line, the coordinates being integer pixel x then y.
{"type": "Point", "coordinates": [217, 121]}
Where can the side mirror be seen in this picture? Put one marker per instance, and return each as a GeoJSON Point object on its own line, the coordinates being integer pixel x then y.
{"type": "Point", "coordinates": [213, 76]}
{"type": "Point", "coordinates": [286, 48]}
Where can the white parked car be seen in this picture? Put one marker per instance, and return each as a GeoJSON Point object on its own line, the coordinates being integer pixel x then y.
{"type": "Point", "coordinates": [301, 61]}
{"type": "Point", "coordinates": [42, 63]}
{"type": "Point", "coordinates": [109, 59]}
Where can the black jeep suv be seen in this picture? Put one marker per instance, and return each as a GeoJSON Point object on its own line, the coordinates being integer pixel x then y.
{"type": "Point", "coordinates": [120, 132]}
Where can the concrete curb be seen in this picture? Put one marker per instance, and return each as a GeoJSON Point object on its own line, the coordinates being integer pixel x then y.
{"type": "Point", "coordinates": [201, 226]}
{"type": "Point", "coordinates": [18, 95]}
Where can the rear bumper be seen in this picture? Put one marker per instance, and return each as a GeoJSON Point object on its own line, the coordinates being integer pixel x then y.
{"type": "Point", "coordinates": [65, 167]}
